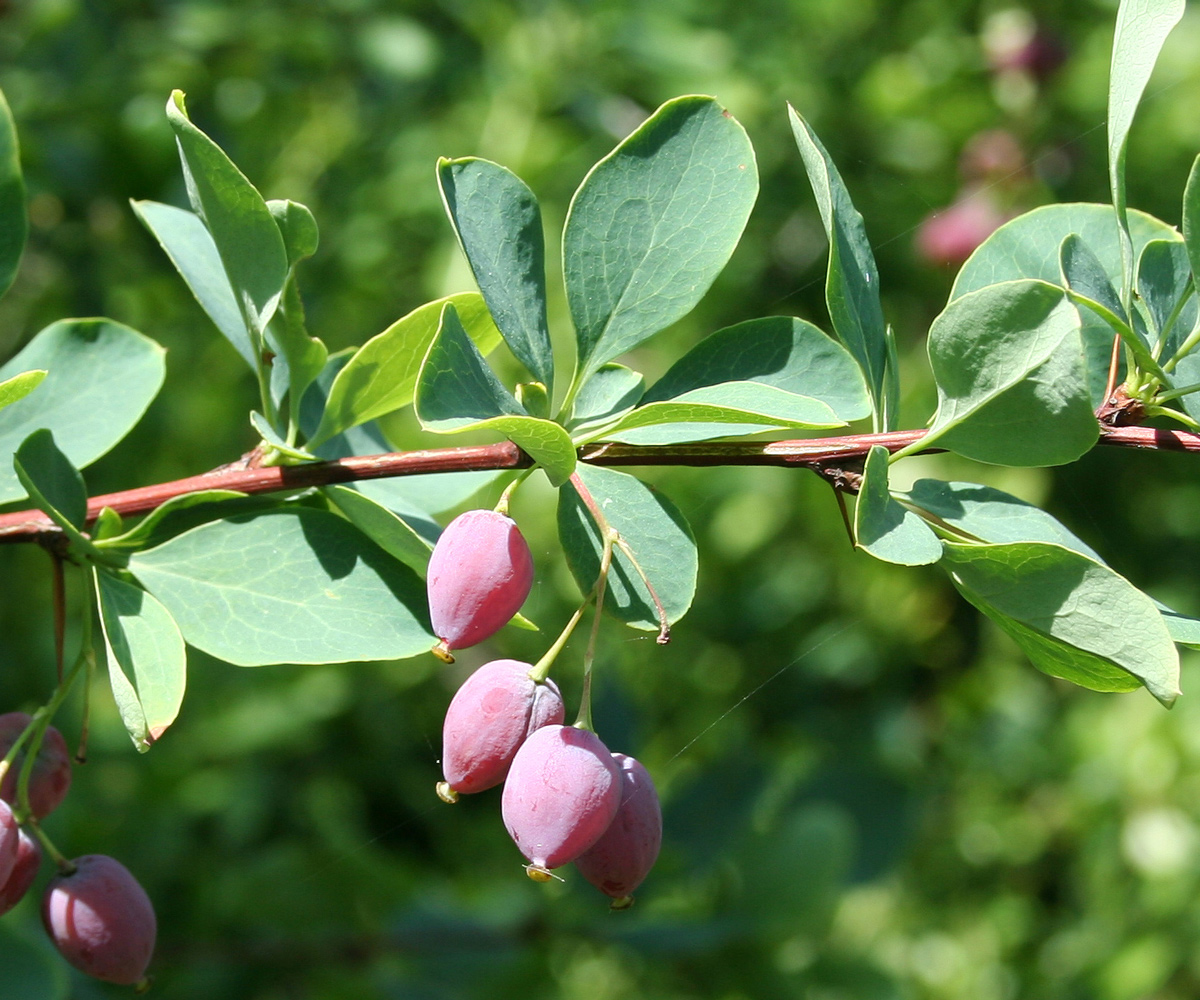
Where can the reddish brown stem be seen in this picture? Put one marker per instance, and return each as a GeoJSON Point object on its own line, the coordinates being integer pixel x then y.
{"type": "Point", "coordinates": [30, 525]}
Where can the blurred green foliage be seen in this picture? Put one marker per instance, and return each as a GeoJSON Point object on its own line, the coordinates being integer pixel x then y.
{"type": "Point", "coordinates": [868, 793]}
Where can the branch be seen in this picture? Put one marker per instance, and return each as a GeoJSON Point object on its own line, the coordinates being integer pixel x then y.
{"type": "Point", "coordinates": [822, 455]}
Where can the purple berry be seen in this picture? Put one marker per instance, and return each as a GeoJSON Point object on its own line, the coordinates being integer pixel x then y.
{"type": "Point", "coordinates": [29, 860]}
{"type": "Point", "coordinates": [479, 576]}
{"type": "Point", "coordinates": [561, 794]}
{"type": "Point", "coordinates": [51, 775]}
{"type": "Point", "coordinates": [489, 718]}
{"type": "Point", "coordinates": [101, 920]}
{"type": "Point", "coordinates": [618, 862]}
{"type": "Point", "coordinates": [10, 837]}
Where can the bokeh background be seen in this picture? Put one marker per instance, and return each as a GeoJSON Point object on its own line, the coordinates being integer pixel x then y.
{"type": "Point", "coordinates": [869, 794]}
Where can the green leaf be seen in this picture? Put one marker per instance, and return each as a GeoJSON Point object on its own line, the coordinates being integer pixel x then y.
{"type": "Point", "coordinates": [297, 227]}
{"type": "Point", "coordinates": [1012, 387]}
{"type": "Point", "coordinates": [273, 441]}
{"type": "Point", "coordinates": [1191, 216]}
{"type": "Point", "coordinates": [992, 515]}
{"type": "Point", "coordinates": [730, 408]}
{"type": "Point", "coordinates": [20, 386]}
{"type": "Point", "coordinates": [1086, 283]}
{"type": "Point", "coordinates": [612, 391]}
{"type": "Point", "coordinates": [51, 480]}
{"type": "Point", "coordinates": [653, 224]}
{"type": "Point", "coordinates": [457, 391]}
{"type": "Point", "coordinates": [1164, 285]}
{"type": "Point", "coordinates": [1142, 27]}
{"type": "Point", "coordinates": [656, 532]}
{"type": "Point", "coordinates": [852, 281]}
{"type": "Point", "coordinates": [289, 586]}
{"type": "Point", "coordinates": [147, 662]}
{"type": "Point", "coordinates": [499, 228]}
{"type": "Point", "coordinates": [1183, 629]}
{"type": "Point", "coordinates": [189, 510]}
{"type": "Point", "coordinates": [782, 370]}
{"type": "Point", "coordinates": [385, 529]}
{"type": "Point", "coordinates": [382, 374]}
{"type": "Point", "coordinates": [1074, 617]}
{"type": "Point", "coordinates": [1028, 247]}
{"type": "Point", "coordinates": [14, 220]}
{"type": "Point", "coordinates": [102, 376]}
{"type": "Point", "coordinates": [883, 527]}
{"type": "Point", "coordinates": [242, 227]}
{"type": "Point", "coordinates": [190, 247]}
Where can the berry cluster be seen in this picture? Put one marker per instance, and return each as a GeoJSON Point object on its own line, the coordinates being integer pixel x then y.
{"type": "Point", "coordinates": [94, 910]}
{"type": "Point", "coordinates": [566, 797]}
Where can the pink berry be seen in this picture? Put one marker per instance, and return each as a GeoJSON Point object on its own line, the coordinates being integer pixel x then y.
{"type": "Point", "coordinates": [561, 794]}
{"type": "Point", "coordinates": [29, 860]}
{"type": "Point", "coordinates": [618, 862]}
{"type": "Point", "coordinates": [10, 837]}
{"type": "Point", "coordinates": [101, 920]}
{"type": "Point", "coordinates": [489, 718]}
{"type": "Point", "coordinates": [950, 235]}
{"type": "Point", "coordinates": [51, 775]}
{"type": "Point", "coordinates": [480, 573]}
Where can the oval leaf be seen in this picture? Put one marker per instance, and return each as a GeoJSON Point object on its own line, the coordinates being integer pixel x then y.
{"type": "Point", "coordinates": [1012, 386]}
{"type": "Point", "coordinates": [611, 392]}
{"type": "Point", "coordinates": [290, 586]}
{"type": "Point", "coordinates": [1074, 617]}
{"type": "Point", "coordinates": [382, 374]}
{"type": "Point", "coordinates": [102, 376]}
{"type": "Point", "coordinates": [884, 527]}
{"type": "Point", "coordinates": [499, 227]}
{"type": "Point", "coordinates": [457, 391]}
{"type": "Point", "coordinates": [653, 224]}
{"type": "Point", "coordinates": [660, 538]}
{"type": "Point", "coordinates": [852, 281]}
{"type": "Point", "coordinates": [246, 235]}
{"type": "Point", "coordinates": [147, 662]}
{"type": "Point", "coordinates": [390, 532]}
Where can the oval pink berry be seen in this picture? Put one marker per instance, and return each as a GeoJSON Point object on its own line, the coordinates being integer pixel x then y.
{"type": "Point", "coordinates": [561, 794]}
{"type": "Point", "coordinates": [622, 858]}
{"type": "Point", "coordinates": [29, 860]}
{"type": "Point", "coordinates": [489, 718]}
{"type": "Point", "coordinates": [479, 575]}
{"type": "Point", "coordinates": [51, 775]}
{"type": "Point", "coordinates": [10, 838]}
{"type": "Point", "coordinates": [101, 920]}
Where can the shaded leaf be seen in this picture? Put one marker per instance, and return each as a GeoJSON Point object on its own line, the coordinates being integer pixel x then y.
{"type": "Point", "coordinates": [655, 530]}
{"type": "Point", "coordinates": [102, 376]}
{"type": "Point", "coordinates": [51, 480]}
{"type": "Point", "coordinates": [147, 662]}
{"type": "Point", "coordinates": [14, 219]}
{"type": "Point", "coordinates": [383, 527]}
{"type": "Point", "coordinates": [884, 527]}
{"type": "Point", "coordinates": [297, 227]}
{"type": "Point", "coordinates": [382, 374]}
{"type": "Point", "coordinates": [653, 224]}
{"type": "Point", "coordinates": [852, 279]}
{"type": "Point", "coordinates": [1074, 617]}
{"type": "Point", "coordinates": [289, 586]}
{"type": "Point", "coordinates": [499, 228]}
{"type": "Point", "coordinates": [611, 391]}
{"type": "Point", "coordinates": [457, 391]}
{"type": "Point", "coordinates": [1164, 285]}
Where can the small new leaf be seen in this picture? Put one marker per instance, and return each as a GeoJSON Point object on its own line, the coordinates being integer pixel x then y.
{"type": "Point", "coordinates": [885, 528]}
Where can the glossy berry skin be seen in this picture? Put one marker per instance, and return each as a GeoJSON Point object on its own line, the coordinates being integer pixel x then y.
{"type": "Point", "coordinates": [479, 575]}
{"type": "Point", "coordinates": [29, 860]}
{"type": "Point", "coordinates": [101, 920]}
{"type": "Point", "coordinates": [10, 838]}
{"type": "Point", "coordinates": [489, 718]}
{"type": "Point", "coordinates": [619, 861]}
{"type": "Point", "coordinates": [561, 794]}
{"type": "Point", "coordinates": [51, 775]}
